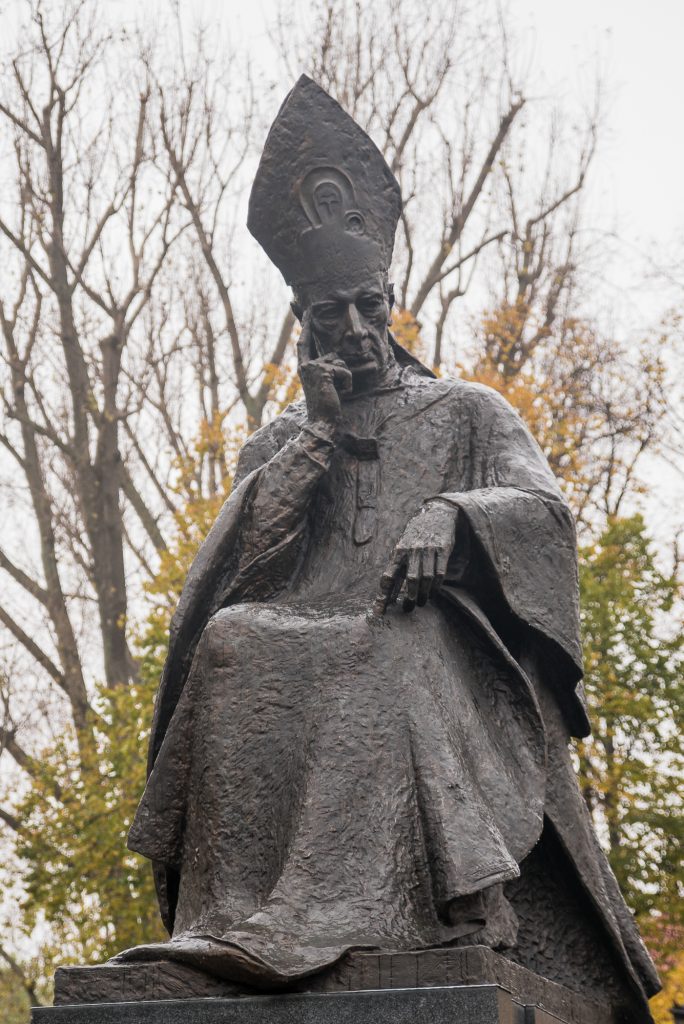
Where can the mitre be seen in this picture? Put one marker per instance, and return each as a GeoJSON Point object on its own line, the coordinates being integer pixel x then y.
{"type": "Point", "coordinates": [324, 203]}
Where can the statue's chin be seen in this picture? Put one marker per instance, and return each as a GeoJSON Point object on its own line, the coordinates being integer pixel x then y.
{"type": "Point", "coordinates": [369, 374]}
{"type": "Point", "coordinates": [365, 377]}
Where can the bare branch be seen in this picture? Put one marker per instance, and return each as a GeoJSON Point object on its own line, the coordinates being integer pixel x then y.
{"type": "Point", "coordinates": [8, 742]}
{"type": "Point", "coordinates": [23, 579]}
{"type": "Point", "coordinates": [11, 820]}
{"type": "Point", "coordinates": [146, 518]}
{"type": "Point", "coordinates": [33, 649]}
{"type": "Point", "coordinates": [11, 962]}
{"type": "Point", "coordinates": [458, 223]}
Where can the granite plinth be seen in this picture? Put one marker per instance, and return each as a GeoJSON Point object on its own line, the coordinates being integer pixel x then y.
{"type": "Point", "coordinates": [472, 1004]}
{"type": "Point", "coordinates": [357, 972]}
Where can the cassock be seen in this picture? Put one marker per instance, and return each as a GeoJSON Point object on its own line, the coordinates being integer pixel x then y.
{"type": "Point", "coordinates": [325, 778]}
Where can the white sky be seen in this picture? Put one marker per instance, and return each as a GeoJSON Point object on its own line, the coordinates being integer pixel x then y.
{"type": "Point", "coordinates": [639, 46]}
{"type": "Point", "coordinates": [638, 178]}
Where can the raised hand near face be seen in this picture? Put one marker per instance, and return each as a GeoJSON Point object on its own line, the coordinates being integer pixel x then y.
{"type": "Point", "coordinates": [420, 558]}
{"type": "Point", "coordinates": [324, 379]}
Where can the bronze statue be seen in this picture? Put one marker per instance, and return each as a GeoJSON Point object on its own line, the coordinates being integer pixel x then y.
{"type": "Point", "coordinates": [361, 735]}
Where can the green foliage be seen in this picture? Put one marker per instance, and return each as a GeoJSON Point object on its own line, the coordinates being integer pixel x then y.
{"type": "Point", "coordinates": [673, 986]}
{"type": "Point", "coordinates": [631, 766]}
{"type": "Point", "coordinates": [14, 1000]}
{"type": "Point", "coordinates": [98, 897]}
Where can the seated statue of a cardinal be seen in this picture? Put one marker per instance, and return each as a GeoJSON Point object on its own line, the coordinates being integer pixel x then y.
{"type": "Point", "coordinates": [361, 736]}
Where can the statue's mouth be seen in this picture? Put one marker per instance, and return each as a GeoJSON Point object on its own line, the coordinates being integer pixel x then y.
{"type": "Point", "coordinates": [355, 360]}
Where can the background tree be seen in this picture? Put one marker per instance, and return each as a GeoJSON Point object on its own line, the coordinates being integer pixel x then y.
{"type": "Point", "coordinates": [672, 994]}
{"type": "Point", "coordinates": [631, 767]}
{"type": "Point", "coordinates": [595, 406]}
{"type": "Point", "coordinates": [143, 333]}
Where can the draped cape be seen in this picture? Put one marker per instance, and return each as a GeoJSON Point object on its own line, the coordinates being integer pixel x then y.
{"type": "Point", "coordinates": [513, 574]}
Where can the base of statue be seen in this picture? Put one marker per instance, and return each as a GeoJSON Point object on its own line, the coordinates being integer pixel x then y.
{"type": "Point", "coordinates": [463, 1004]}
{"type": "Point", "coordinates": [472, 985]}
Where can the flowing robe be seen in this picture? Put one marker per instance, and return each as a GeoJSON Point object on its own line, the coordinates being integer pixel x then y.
{"type": "Point", "coordinates": [324, 779]}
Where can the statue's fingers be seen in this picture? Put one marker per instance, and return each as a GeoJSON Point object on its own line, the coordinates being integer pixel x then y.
{"type": "Point", "coordinates": [398, 584]}
{"type": "Point", "coordinates": [441, 564]}
{"type": "Point", "coordinates": [342, 376]}
{"type": "Point", "coordinates": [413, 577]}
{"type": "Point", "coordinates": [427, 576]}
{"type": "Point", "coordinates": [390, 582]}
{"type": "Point", "coordinates": [338, 365]}
{"type": "Point", "coordinates": [304, 341]}
{"type": "Point", "coordinates": [394, 567]}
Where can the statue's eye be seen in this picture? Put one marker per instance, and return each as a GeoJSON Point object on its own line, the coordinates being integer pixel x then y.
{"type": "Point", "coordinates": [328, 313]}
{"type": "Point", "coordinates": [371, 304]}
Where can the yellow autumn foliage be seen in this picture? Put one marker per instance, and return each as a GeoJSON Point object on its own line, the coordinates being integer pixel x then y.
{"type": "Point", "coordinates": [672, 993]}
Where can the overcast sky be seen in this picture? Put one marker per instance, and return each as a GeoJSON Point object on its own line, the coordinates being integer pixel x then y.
{"type": "Point", "coordinates": [639, 172]}
{"type": "Point", "coordinates": [638, 47]}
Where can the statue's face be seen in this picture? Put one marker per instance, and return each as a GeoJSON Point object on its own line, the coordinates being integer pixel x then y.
{"type": "Point", "coordinates": [351, 322]}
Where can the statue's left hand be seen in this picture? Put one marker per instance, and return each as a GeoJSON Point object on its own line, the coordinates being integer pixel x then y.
{"type": "Point", "coordinates": [420, 557]}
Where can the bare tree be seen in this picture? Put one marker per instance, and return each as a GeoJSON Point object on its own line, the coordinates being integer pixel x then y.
{"type": "Point", "coordinates": [86, 234]}
{"type": "Point", "coordinates": [138, 315]}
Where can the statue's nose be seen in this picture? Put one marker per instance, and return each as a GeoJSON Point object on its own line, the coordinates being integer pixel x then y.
{"type": "Point", "coordinates": [354, 325]}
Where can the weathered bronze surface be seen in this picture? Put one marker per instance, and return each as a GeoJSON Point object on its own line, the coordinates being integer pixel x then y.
{"type": "Point", "coordinates": [361, 735]}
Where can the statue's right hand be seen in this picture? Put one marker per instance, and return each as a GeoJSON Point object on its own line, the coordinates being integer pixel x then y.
{"type": "Point", "coordinates": [421, 556]}
{"type": "Point", "coordinates": [323, 379]}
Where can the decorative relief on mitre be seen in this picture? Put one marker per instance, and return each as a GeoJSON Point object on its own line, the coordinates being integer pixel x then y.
{"type": "Point", "coordinates": [324, 203]}
{"type": "Point", "coordinates": [327, 196]}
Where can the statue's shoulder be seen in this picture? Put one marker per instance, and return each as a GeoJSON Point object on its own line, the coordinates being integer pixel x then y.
{"type": "Point", "coordinates": [267, 441]}
{"type": "Point", "coordinates": [467, 396]}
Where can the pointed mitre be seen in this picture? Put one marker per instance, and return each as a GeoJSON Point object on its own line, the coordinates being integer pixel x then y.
{"type": "Point", "coordinates": [324, 203]}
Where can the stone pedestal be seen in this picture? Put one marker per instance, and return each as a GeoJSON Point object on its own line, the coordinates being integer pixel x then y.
{"type": "Point", "coordinates": [471, 1004]}
{"type": "Point", "coordinates": [472, 985]}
